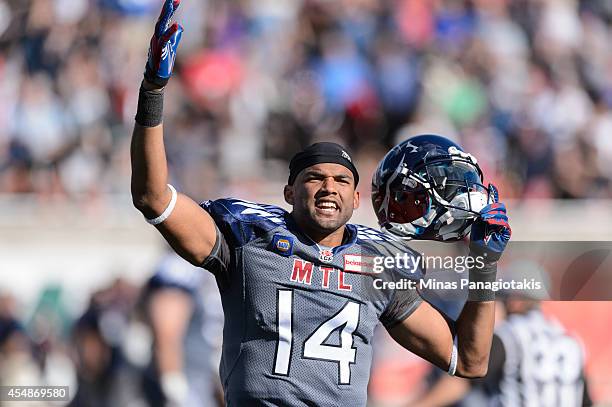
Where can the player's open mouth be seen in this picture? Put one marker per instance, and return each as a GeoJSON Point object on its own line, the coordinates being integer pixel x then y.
{"type": "Point", "coordinates": [326, 207]}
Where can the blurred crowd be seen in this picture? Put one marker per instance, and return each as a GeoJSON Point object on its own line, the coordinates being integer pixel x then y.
{"type": "Point", "coordinates": [155, 344]}
{"type": "Point", "coordinates": [526, 85]}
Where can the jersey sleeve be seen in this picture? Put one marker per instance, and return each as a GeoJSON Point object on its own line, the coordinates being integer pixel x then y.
{"type": "Point", "coordinates": [238, 222]}
{"type": "Point", "coordinates": [402, 304]}
{"type": "Point", "coordinates": [242, 221]}
{"type": "Point", "coordinates": [219, 259]}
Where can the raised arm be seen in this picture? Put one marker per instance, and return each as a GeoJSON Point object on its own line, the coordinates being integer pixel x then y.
{"type": "Point", "coordinates": [427, 333]}
{"type": "Point", "coordinates": [185, 226]}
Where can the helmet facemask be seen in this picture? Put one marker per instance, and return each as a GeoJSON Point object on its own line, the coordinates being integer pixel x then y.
{"type": "Point", "coordinates": [437, 200]}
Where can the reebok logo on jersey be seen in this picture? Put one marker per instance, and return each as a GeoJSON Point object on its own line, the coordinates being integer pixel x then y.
{"type": "Point", "coordinates": [356, 263]}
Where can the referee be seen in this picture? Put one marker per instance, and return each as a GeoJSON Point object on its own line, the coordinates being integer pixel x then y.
{"type": "Point", "coordinates": [533, 361]}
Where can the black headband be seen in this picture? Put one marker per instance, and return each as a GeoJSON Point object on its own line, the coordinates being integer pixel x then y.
{"type": "Point", "coordinates": [319, 153]}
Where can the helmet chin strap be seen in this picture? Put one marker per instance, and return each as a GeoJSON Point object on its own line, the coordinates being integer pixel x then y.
{"type": "Point", "coordinates": [453, 230]}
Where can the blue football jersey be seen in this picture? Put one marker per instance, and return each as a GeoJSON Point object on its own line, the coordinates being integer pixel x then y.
{"type": "Point", "coordinates": [202, 340]}
{"type": "Point", "coordinates": [299, 318]}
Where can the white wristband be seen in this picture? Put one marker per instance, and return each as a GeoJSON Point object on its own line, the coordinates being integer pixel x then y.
{"type": "Point", "coordinates": [167, 211]}
{"type": "Point", "coordinates": [453, 362]}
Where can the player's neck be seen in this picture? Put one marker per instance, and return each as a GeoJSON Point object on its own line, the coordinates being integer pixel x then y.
{"type": "Point", "coordinates": [333, 239]}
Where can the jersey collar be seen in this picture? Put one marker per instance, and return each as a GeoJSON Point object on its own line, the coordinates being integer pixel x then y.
{"type": "Point", "coordinates": [349, 240]}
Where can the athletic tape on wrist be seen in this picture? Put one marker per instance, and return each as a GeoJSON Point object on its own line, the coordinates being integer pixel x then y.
{"type": "Point", "coordinates": [167, 211]}
{"type": "Point", "coordinates": [485, 274]}
{"type": "Point", "coordinates": [151, 76]}
{"type": "Point", "coordinates": [452, 367]}
{"type": "Point", "coordinates": [150, 107]}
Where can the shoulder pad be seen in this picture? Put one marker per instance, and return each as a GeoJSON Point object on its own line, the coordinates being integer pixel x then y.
{"type": "Point", "coordinates": [367, 233]}
{"type": "Point", "coordinates": [240, 221]}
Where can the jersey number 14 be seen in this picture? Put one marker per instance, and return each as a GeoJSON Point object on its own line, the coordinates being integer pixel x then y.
{"type": "Point", "coordinates": [344, 355]}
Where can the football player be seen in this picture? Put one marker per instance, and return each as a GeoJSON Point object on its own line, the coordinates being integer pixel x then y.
{"type": "Point", "coordinates": [186, 328]}
{"type": "Point", "coordinates": [299, 310]}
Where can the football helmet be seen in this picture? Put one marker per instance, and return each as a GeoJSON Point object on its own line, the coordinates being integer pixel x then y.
{"type": "Point", "coordinates": [428, 188]}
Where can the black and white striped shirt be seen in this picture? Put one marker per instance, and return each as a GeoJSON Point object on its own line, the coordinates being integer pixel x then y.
{"type": "Point", "coordinates": [534, 362]}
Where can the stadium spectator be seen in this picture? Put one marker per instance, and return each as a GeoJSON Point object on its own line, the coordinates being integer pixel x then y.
{"type": "Point", "coordinates": [104, 376]}
{"type": "Point", "coordinates": [263, 80]}
{"type": "Point", "coordinates": [17, 364]}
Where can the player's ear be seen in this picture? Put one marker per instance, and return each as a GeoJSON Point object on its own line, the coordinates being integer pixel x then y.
{"type": "Point", "coordinates": [356, 200]}
{"type": "Point", "coordinates": [288, 193]}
